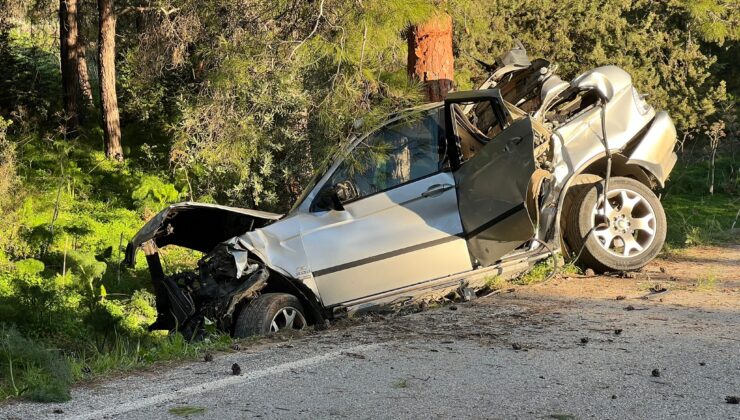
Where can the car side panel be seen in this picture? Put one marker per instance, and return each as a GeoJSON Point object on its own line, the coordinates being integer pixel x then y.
{"type": "Point", "coordinates": [386, 241]}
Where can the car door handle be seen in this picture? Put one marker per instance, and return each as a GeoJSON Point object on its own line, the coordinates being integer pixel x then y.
{"type": "Point", "coordinates": [436, 189]}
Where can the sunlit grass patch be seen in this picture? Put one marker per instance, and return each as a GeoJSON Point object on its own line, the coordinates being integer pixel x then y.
{"type": "Point", "coordinates": [187, 410]}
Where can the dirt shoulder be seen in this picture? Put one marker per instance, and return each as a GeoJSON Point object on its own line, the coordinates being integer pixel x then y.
{"type": "Point", "coordinates": [702, 277]}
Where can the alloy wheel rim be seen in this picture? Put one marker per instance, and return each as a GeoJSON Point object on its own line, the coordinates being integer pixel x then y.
{"type": "Point", "coordinates": [288, 318]}
{"type": "Point", "coordinates": [631, 225]}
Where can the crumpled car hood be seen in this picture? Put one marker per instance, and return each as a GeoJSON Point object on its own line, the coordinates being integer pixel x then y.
{"type": "Point", "coordinates": [197, 226]}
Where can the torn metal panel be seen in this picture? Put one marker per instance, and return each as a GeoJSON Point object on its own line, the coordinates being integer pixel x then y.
{"type": "Point", "coordinates": [197, 226]}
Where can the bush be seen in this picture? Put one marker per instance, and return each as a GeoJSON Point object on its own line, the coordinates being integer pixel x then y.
{"type": "Point", "coordinates": [151, 194]}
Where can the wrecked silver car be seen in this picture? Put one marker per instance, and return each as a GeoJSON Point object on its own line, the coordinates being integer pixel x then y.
{"type": "Point", "coordinates": [486, 183]}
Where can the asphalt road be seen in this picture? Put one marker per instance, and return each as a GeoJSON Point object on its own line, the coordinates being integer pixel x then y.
{"type": "Point", "coordinates": [455, 363]}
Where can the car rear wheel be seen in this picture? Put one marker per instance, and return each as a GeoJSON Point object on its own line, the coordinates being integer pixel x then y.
{"type": "Point", "coordinates": [270, 313]}
{"type": "Point", "coordinates": [624, 235]}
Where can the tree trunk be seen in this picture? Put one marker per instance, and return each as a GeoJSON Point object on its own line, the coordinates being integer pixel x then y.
{"type": "Point", "coordinates": [107, 68]}
{"type": "Point", "coordinates": [68, 56]}
{"type": "Point", "coordinates": [84, 76]}
{"type": "Point", "coordinates": [82, 72]}
{"type": "Point", "coordinates": [430, 56]}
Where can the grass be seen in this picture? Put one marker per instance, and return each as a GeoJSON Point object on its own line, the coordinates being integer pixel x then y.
{"type": "Point", "coordinates": [94, 209]}
{"type": "Point", "coordinates": [187, 410]}
{"type": "Point", "coordinates": [707, 283]}
{"type": "Point", "coordinates": [542, 270]}
{"type": "Point", "coordinates": [694, 216]}
{"type": "Point", "coordinates": [42, 375]}
{"type": "Point", "coordinates": [496, 283]}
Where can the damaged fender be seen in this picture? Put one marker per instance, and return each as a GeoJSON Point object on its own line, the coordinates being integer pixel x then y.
{"type": "Point", "coordinates": [655, 151]}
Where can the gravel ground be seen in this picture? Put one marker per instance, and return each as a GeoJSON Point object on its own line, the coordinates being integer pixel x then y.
{"type": "Point", "coordinates": [546, 351]}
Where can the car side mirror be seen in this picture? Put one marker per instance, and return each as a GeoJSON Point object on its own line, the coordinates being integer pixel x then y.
{"type": "Point", "coordinates": [333, 197]}
{"type": "Point", "coordinates": [328, 199]}
{"type": "Point", "coordinates": [346, 191]}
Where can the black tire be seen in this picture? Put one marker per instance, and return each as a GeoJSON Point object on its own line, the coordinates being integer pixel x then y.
{"type": "Point", "coordinates": [257, 316]}
{"type": "Point", "coordinates": [593, 253]}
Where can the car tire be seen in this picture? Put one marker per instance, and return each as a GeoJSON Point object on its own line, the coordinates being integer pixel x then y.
{"type": "Point", "coordinates": [270, 313]}
{"type": "Point", "coordinates": [635, 234]}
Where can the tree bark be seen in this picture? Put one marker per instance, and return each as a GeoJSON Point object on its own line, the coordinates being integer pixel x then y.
{"type": "Point", "coordinates": [68, 56]}
{"type": "Point", "coordinates": [84, 76]}
{"type": "Point", "coordinates": [108, 101]}
{"type": "Point", "coordinates": [82, 71]}
{"type": "Point", "coordinates": [430, 57]}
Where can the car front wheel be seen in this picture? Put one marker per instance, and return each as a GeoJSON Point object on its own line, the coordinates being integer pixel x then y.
{"type": "Point", "coordinates": [624, 235]}
{"type": "Point", "coordinates": [270, 313]}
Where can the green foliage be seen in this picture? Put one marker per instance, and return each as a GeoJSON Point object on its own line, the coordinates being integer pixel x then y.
{"type": "Point", "coordinates": [694, 216]}
{"type": "Point", "coordinates": [649, 39]}
{"type": "Point", "coordinates": [30, 370]}
{"type": "Point", "coordinates": [152, 194]}
{"type": "Point", "coordinates": [29, 85]}
{"type": "Point", "coordinates": [496, 283]}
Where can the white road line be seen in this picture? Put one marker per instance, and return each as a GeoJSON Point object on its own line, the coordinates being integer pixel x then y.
{"type": "Point", "coordinates": [218, 384]}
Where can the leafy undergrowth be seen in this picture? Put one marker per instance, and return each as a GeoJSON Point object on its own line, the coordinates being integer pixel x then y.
{"type": "Point", "coordinates": [69, 310]}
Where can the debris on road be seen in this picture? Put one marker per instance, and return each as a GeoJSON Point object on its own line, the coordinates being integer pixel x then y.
{"type": "Point", "coordinates": [589, 272]}
{"type": "Point", "coordinates": [516, 346]}
{"type": "Point", "coordinates": [584, 340]}
{"type": "Point", "coordinates": [732, 399]}
{"type": "Point", "coordinates": [354, 355]}
{"type": "Point", "coordinates": [236, 369]}
{"type": "Point", "coordinates": [208, 357]}
{"type": "Point", "coordinates": [621, 297]}
{"type": "Point", "coordinates": [656, 373]}
{"type": "Point", "coordinates": [618, 331]}
{"type": "Point", "coordinates": [658, 288]}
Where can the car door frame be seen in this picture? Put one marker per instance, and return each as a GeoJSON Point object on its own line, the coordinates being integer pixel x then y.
{"type": "Point", "coordinates": [488, 240]}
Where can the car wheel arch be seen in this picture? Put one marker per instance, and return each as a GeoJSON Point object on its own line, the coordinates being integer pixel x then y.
{"type": "Point", "coordinates": [594, 171]}
{"type": "Point", "coordinates": [280, 283]}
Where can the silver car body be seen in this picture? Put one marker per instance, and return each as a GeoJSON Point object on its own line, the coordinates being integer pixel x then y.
{"type": "Point", "coordinates": [412, 239]}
